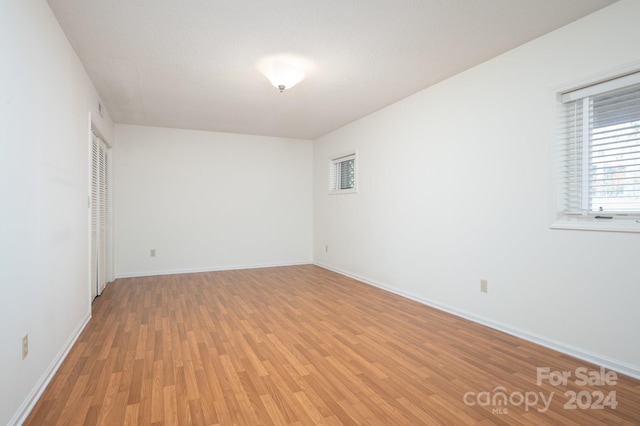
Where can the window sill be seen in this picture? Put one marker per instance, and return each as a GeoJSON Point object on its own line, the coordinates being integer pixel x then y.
{"type": "Point", "coordinates": [592, 224]}
{"type": "Point", "coordinates": [343, 191]}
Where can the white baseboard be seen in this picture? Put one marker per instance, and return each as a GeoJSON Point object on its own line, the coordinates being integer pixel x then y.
{"type": "Point", "coordinates": [594, 358]}
{"type": "Point", "coordinates": [21, 415]}
{"type": "Point", "coordinates": [205, 269]}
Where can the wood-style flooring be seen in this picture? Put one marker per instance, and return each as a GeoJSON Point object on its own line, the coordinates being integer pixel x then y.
{"type": "Point", "coordinates": [302, 345]}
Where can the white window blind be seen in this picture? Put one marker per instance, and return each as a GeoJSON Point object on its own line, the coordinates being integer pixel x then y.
{"type": "Point", "coordinates": [600, 149]}
{"type": "Point", "coordinates": [343, 173]}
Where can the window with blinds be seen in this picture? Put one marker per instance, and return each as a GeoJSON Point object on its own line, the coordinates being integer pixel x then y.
{"type": "Point", "coordinates": [343, 174]}
{"type": "Point", "coordinates": [599, 150]}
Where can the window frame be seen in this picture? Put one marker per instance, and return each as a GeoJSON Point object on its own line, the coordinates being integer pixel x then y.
{"type": "Point", "coordinates": [559, 219]}
{"type": "Point", "coordinates": [333, 163]}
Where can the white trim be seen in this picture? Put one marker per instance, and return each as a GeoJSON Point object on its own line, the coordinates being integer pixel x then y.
{"type": "Point", "coordinates": [595, 89]}
{"type": "Point", "coordinates": [109, 232]}
{"type": "Point", "coordinates": [343, 191]}
{"type": "Point", "coordinates": [344, 156]}
{"type": "Point", "coordinates": [588, 356]}
{"type": "Point", "coordinates": [89, 183]}
{"type": "Point", "coordinates": [25, 409]}
{"type": "Point", "coordinates": [591, 224]}
{"type": "Point", "coordinates": [206, 269]}
{"type": "Point", "coordinates": [595, 78]}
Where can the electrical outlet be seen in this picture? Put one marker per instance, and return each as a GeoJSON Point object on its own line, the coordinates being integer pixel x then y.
{"type": "Point", "coordinates": [483, 286]}
{"type": "Point", "coordinates": [326, 249]}
{"type": "Point", "coordinates": [25, 346]}
{"type": "Point", "coordinates": [153, 252]}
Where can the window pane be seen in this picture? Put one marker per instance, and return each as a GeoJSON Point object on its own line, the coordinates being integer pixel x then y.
{"type": "Point", "coordinates": [615, 167]}
{"type": "Point", "coordinates": [347, 174]}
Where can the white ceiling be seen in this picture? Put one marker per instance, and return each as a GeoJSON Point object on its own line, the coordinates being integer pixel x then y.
{"type": "Point", "coordinates": [194, 64]}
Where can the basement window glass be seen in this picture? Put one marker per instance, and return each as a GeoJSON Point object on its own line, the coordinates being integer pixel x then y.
{"type": "Point", "coordinates": [598, 174]}
{"type": "Point", "coordinates": [343, 174]}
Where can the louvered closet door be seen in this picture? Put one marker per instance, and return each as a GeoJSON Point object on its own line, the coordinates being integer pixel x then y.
{"type": "Point", "coordinates": [100, 214]}
{"type": "Point", "coordinates": [95, 180]}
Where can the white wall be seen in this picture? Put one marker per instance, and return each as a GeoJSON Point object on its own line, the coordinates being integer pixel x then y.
{"type": "Point", "coordinates": [207, 201]}
{"type": "Point", "coordinates": [454, 187]}
{"type": "Point", "coordinates": [45, 100]}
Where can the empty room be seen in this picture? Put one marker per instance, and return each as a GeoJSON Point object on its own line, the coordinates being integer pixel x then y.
{"type": "Point", "coordinates": [284, 212]}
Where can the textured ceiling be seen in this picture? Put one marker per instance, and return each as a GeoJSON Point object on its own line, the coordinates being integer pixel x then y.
{"type": "Point", "coordinates": [194, 64]}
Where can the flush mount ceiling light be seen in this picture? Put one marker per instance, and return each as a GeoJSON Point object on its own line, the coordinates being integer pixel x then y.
{"type": "Point", "coordinates": [283, 71]}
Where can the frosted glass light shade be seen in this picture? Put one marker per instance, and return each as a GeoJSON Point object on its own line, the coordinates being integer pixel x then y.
{"type": "Point", "coordinates": [282, 73]}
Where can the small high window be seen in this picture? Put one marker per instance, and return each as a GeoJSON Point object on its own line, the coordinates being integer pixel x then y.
{"type": "Point", "coordinates": [343, 174]}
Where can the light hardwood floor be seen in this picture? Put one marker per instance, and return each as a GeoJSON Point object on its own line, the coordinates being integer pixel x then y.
{"type": "Point", "coordinates": [303, 345]}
